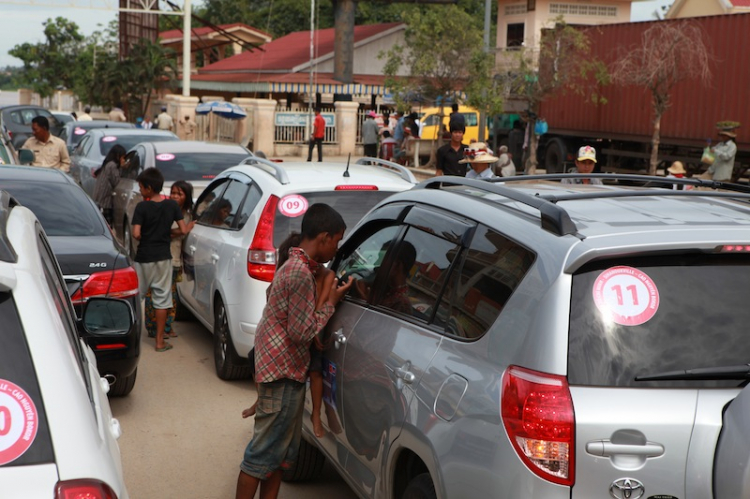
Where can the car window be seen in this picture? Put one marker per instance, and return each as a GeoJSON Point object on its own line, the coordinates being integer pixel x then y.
{"type": "Point", "coordinates": [207, 201]}
{"type": "Point", "coordinates": [471, 119]}
{"type": "Point", "coordinates": [134, 162]}
{"type": "Point", "coordinates": [16, 117]}
{"type": "Point", "coordinates": [225, 211]}
{"type": "Point", "coordinates": [432, 120]}
{"type": "Point", "coordinates": [485, 277]}
{"type": "Point", "coordinates": [196, 165]}
{"type": "Point", "coordinates": [77, 134]}
{"type": "Point", "coordinates": [53, 121]}
{"type": "Point", "coordinates": [64, 134]}
{"type": "Point", "coordinates": [54, 204]}
{"type": "Point", "coordinates": [84, 147]}
{"type": "Point", "coordinates": [248, 205]}
{"type": "Point", "coordinates": [107, 142]}
{"type": "Point", "coordinates": [648, 315]}
{"type": "Point", "coordinates": [352, 205]}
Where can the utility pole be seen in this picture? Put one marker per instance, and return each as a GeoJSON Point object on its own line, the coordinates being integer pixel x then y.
{"type": "Point", "coordinates": [482, 112]}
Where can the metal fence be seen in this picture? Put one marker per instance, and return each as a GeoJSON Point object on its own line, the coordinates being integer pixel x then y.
{"type": "Point", "coordinates": [213, 128]}
{"type": "Point", "coordinates": [298, 133]}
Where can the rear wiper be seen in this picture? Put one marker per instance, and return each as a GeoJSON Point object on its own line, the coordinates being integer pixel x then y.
{"type": "Point", "coordinates": [741, 371]}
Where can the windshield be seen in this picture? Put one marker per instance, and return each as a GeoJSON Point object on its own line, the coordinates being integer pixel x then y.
{"type": "Point", "coordinates": [648, 315]}
{"type": "Point", "coordinates": [63, 210]}
{"type": "Point", "coordinates": [352, 205]}
{"type": "Point", "coordinates": [128, 141]}
{"type": "Point", "coordinates": [195, 165]}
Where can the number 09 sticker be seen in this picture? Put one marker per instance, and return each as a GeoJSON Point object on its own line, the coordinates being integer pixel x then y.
{"type": "Point", "coordinates": [293, 205]}
{"type": "Point", "coordinates": [626, 295]}
{"type": "Point", "coordinates": [19, 422]}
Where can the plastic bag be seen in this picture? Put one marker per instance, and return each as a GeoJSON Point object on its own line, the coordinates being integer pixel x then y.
{"type": "Point", "coordinates": [541, 127]}
{"type": "Point", "coordinates": [708, 156]}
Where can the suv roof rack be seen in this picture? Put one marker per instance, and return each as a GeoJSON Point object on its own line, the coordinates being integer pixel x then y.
{"type": "Point", "coordinates": [7, 253]}
{"type": "Point", "coordinates": [274, 169]}
{"type": "Point", "coordinates": [402, 171]}
{"type": "Point", "coordinates": [554, 218]}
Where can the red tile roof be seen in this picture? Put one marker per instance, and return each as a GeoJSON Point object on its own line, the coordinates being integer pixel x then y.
{"type": "Point", "coordinates": [288, 52]}
{"type": "Point", "coordinates": [205, 30]}
{"type": "Point", "coordinates": [319, 78]}
{"type": "Point", "coordinates": [740, 3]}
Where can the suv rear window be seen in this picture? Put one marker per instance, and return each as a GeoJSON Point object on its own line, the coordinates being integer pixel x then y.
{"type": "Point", "coordinates": [699, 320]}
{"type": "Point", "coordinates": [129, 141]}
{"type": "Point", "coordinates": [352, 205]}
{"type": "Point", "coordinates": [195, 165]}
{"type": "Point", "coordinates": [17, 368]}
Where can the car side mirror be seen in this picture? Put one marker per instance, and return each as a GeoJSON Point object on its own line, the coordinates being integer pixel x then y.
{"type": "Point", "coordinates": [25, 156]}
{"type": "Point", "coordinates": [107, 316]}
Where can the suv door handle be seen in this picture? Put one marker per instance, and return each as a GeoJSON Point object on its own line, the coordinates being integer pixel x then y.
{"type": "Point", "coordinates": [404, 373]}
{"type": "Point", "coordinates": [214, 258]}
{"type": "Point", "coordinates": [339, 338]}
{"type": "Point", "coordinates": [606, 448]}
{"type": "Point", "coordinates": [192, 249]}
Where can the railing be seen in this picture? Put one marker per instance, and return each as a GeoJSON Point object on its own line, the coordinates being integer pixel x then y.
{"type": "Point", "coordinates": [299, 134]}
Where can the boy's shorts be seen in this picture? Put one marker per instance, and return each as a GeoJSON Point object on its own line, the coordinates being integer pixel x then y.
{"type": "Point", "coordinates": [278, 428]}
{"type": "Point", "coordinates": [158, 277]}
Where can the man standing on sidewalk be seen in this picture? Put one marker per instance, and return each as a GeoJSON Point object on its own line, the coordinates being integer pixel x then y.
{"type": "Point", "coordinates": [370, 135]}
{"type": "Point", "coordinates": [319, 132]}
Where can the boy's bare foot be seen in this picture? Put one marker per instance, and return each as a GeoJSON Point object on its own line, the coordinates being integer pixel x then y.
{"type": "Point", "coordinates": [250, 411]}
{"type": "Point", "coordinates": [317, 425]}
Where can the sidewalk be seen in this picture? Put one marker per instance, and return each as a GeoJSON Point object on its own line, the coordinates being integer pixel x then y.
{"type": "Point", "coordinates": [419, 173]}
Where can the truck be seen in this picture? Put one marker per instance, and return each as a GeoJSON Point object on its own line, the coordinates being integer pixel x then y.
{"type": "Point", "coordinates": [622, 128]}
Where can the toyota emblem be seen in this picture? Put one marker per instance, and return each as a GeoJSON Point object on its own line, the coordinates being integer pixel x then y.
{"type": "Point", "coordinates": [627, 488]}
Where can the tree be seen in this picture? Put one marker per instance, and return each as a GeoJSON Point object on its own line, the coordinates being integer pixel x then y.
{"type": "Point", "coordinates": [561, 63]}
{"type": "Point", "coordinates": [669, 53]}
{"type": "Point", "coordinates": [49, 65]}
{"type": "Point", "coordinates": [438, 43]}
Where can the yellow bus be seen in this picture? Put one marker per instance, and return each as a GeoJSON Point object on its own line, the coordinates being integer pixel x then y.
{"type": "Point", "coordinates": [431, 120]}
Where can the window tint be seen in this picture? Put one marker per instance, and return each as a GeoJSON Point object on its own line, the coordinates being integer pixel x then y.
{"type": "Point", "coordinates": [352, 205]}
{"type": "Point", "coordinates": [54, 206]}
{"type": "Point", "coordinates": [83, 146]}
{"type": "Point", "coordinates": [225, 213]}
{"type": "Point", "coordinates": [487, 274]}
{"type": "Point", "coordinates": [699, 320]}
{"type": "Point", "coordinates": [248, 206]}
{"type": "Point", "coordinates": [133, 159]}
{"type": "Point", "coordinates": [207, 202]}
{"type": "Point", "coordinates": [129, 141]}
{"type": "Point", "coordinates": [363, 261]}
{"type": "Point", "coordinates": [16, 117]}
{"type": "Point", "coordinates": [195, 165]}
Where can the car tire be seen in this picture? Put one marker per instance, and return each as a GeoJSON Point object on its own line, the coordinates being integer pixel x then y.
{"type": "Point", "coordinates": [309, 464]}
{"type": "Point", "coordinates": [228, 364]}
{"type": "Point", "coordinates": [420, 487]}
{"type": "Point", "coordinates": [554, 156]}
{"type": "Point", "coordinates": [123, 385]}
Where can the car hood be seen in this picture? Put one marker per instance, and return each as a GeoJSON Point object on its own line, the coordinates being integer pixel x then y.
{"type": "Point", "coordinates": [86, 254]}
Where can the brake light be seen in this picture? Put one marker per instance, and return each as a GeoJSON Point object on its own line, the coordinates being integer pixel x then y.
{"type": "Point", "coordinates": [537, 412]}
{"type": "Point", "coordinates": [356, 188]}
{"type": "Point", "coordinates": [120, 283]}
{"type": "Point", "coordinates": [84, 489]}
{"type": "Point", "coordinates": [261, 257]}
{"type": "Point", "coordinates": [734, 248]}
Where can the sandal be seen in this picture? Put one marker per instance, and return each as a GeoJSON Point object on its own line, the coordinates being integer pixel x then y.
{"type": "Point", "coordinates": [171, 334]}
{"type": "Point", "coordinates": [165, 348]}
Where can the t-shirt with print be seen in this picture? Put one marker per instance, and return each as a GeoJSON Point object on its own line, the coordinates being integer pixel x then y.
{"type": "Point", "coordinates": [155, 220]}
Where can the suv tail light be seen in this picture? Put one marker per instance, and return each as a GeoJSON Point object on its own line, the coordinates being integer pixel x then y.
{"type": "Point", "coordinates": [261, 257]}
{"type": "Point", "coordinates": [120, 283]}
{"type": "Point", "coordinates": [84, 489]}
{"type": "Point", "coordinates": [537, 412]}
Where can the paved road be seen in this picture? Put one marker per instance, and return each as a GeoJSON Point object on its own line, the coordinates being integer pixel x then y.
{"type": "Point", "coordinates": [183, 435]}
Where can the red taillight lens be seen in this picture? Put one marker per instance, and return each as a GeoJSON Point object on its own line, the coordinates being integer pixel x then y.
{"type": "Point", "coordinates": [734, 248]}
{"type": "Point", "coordinates": [356, 188]}
{"type": "Point", "coordinates": [537, 411]}
{"type": "Point", "coordinates": [120, 283]}
{"type": "Point", "coordinates": [261, 257]}
{"type": "Point", "coordinates": [84, 489]}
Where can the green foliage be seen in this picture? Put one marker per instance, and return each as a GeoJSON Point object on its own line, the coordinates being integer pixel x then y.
{"type": "Point", "coordinates": [8, 77]}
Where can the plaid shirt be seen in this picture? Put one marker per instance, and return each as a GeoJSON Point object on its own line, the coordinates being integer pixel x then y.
{"type": "Point", "coordinates": [289, 322]}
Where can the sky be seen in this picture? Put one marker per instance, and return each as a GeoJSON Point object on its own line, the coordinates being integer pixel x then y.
{"type": "Point", "coordinates": [23, 23]}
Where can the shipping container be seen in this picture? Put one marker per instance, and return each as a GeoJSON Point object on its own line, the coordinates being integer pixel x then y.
{"type": "Point", "coordinates": [621, 129]}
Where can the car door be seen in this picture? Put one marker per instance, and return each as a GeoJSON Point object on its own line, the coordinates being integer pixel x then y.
{"type": "Point", "coordinates": [127, 196]}
{"type": "Point", "coordinates": [395, 340]}
{"type": "Point", "coordinates": [83, 166]}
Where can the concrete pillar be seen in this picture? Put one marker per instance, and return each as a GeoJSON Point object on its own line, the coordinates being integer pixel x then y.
{"type": "Point", "coordinates": [346, 126]}
{"type": "Point", "coordinates": [24, 96]}
{"type": "Point", "coordinates": [257, 131]}
{"type": "Point", "coordinates": [179, 106]}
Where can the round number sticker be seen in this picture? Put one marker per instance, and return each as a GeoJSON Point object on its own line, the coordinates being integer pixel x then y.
{"type": "Point", "coordinates": [626, 295]}
{"type": "Point", "coordinates": [18, 422]}
{"type": "Point", "coordinates": [165, 157]}
{"type": "Point", "coordinates": [79, 131]}
{"type": "Point", "coordinates": [293, 205]}
{"type": "Point", "coordinates": [109, 139]}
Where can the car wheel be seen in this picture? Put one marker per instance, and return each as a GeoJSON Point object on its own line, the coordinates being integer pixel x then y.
{"type": "Point", "coordinates": [309, 464]}
{"type": "Point", "coordinates": [123, 386]}
{"type": "Point", "coordinates": [420, 487]}
{"type": "Point", "coordinates": [127, 239]}
{"type": "Point", "coordinates": [227, 361]}
{"type": "Point", "coordinates": [554, 156]}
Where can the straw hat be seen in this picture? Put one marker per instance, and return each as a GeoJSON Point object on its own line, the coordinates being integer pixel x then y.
{"type": "Point", "coordinates": [677, 168]}
{"type": "Point", "coordinates": [478, 152]}
{"type": "Point", "coordinates": [728, 134]}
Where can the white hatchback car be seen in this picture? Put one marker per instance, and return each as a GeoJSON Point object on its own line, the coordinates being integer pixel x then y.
{"type": "Point", "coordinates": [241, 218]}
{"type": "Point", "coordinates": [58, 438]}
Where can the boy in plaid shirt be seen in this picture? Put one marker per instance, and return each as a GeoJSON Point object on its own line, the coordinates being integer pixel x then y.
{"type": "Point", "coordinates": [290, 322]}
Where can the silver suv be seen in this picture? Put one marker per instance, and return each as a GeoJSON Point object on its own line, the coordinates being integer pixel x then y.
{"type": "Point", "coordinates": [521, 338]}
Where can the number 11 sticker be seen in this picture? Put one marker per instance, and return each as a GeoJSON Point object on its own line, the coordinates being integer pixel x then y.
{"type": "Point", "coordinates": [626, 295]}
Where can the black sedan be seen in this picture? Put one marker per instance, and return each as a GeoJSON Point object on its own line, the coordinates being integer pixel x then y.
{"type": "Point", "coordinates": [87, 157]}
{"type": "Point", "coordinates": [92, 261]}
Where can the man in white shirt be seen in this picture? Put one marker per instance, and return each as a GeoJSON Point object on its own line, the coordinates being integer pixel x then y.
{"type": "Point", "coordinates": [479, 157]}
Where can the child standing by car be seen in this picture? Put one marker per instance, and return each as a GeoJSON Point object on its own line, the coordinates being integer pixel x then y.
{"type": "Point", "coordinates": [182, 194]}
{"type": "Point", "coordinates": [107, 177]}
{"type": "Point", "coordinates": [291, 320]}
{"type": "Point", "coordinates": [152, 222]}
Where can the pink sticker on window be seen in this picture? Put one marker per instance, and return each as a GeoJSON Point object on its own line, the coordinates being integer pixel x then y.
{"type": "Point", "coordinates": [109, 139]}
{"type": "Point", "coordinates": [626, 295]}
{"type": "Point", "coordinates": [19, 421]}
{"type": "Point", "coordinates": [165, 157]}
{"type": "Point", "coordinates": [79, 131]}
{"type": "Point", "coordinates": [293, 205]}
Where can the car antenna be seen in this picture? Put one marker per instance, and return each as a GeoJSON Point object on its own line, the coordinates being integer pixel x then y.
{"type": "Point", "coordinates": [346, 172]}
